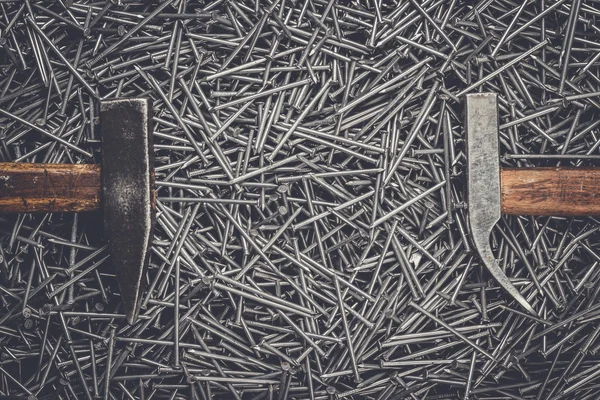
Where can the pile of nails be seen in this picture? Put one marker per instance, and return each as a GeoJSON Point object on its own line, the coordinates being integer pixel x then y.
{"type": "Point", "coordinates": [311, 236]}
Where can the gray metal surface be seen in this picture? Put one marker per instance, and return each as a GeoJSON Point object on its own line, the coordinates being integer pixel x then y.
{"type": "Point", "coordinates": [483, 183]}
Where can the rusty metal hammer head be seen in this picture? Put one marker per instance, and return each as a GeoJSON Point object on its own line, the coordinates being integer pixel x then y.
{"type": "Point", "coordinates": [483, 182]}
{"type": "Point", "coordinates": [128, 197]}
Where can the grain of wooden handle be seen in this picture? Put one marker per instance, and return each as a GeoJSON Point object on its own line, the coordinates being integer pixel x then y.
{"type": "Point", "coordinates": [560, 191]}
{"type": "Point", "coordinates": [49, 187]}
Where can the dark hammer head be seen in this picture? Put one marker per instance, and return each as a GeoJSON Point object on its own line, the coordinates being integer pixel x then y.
{"type": "Point", "coordinates": [128, 192]}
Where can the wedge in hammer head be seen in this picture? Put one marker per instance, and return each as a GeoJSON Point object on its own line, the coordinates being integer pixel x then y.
{"type": "Point", "coordinates": [122, 187]}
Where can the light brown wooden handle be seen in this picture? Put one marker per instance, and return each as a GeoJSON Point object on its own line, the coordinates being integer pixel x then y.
{"type": "Point", "coordinates": [49, 187]}
{"type": "Point", "coordinates": [560, 191]}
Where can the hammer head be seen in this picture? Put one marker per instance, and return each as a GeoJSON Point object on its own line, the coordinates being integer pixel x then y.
{"type": "Point", "coordinates": [129, 200]}
{"type": "Point", "coordinates": [483, 183]}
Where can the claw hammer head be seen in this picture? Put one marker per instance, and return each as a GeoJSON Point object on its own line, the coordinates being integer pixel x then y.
{"type": "Point", "coordinates": [483, 183]}
{"type": "Point", "coordinates": [128, 197]}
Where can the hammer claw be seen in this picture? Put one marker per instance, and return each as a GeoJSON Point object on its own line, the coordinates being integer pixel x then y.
{"type": "Point", "coordinates": [490, 262]}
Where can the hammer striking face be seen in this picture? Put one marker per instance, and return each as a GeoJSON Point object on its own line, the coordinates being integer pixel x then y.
{"type": "Point", "coordinates": [122, 187]}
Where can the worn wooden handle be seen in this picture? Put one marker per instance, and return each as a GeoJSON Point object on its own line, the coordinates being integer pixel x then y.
{"type": "Point", "coordinates": [560, 191]}
{"type": "Point", "coordinates": [49, 187]}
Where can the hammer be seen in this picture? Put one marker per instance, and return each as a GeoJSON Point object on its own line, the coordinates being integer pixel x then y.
{"type": "Point", "coordinates": [559, 191]}
{"type": "Point", "coordinates": [122, 187]}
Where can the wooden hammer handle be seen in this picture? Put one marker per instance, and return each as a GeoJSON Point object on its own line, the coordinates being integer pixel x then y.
{"type": "Point", "coordinates": [561, 191]}
{"type": "Point", "coordinates": [49, 187]}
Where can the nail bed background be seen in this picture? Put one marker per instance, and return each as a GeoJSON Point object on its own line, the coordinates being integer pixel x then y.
{"type": "Point", "coordinates": [286, 134]}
